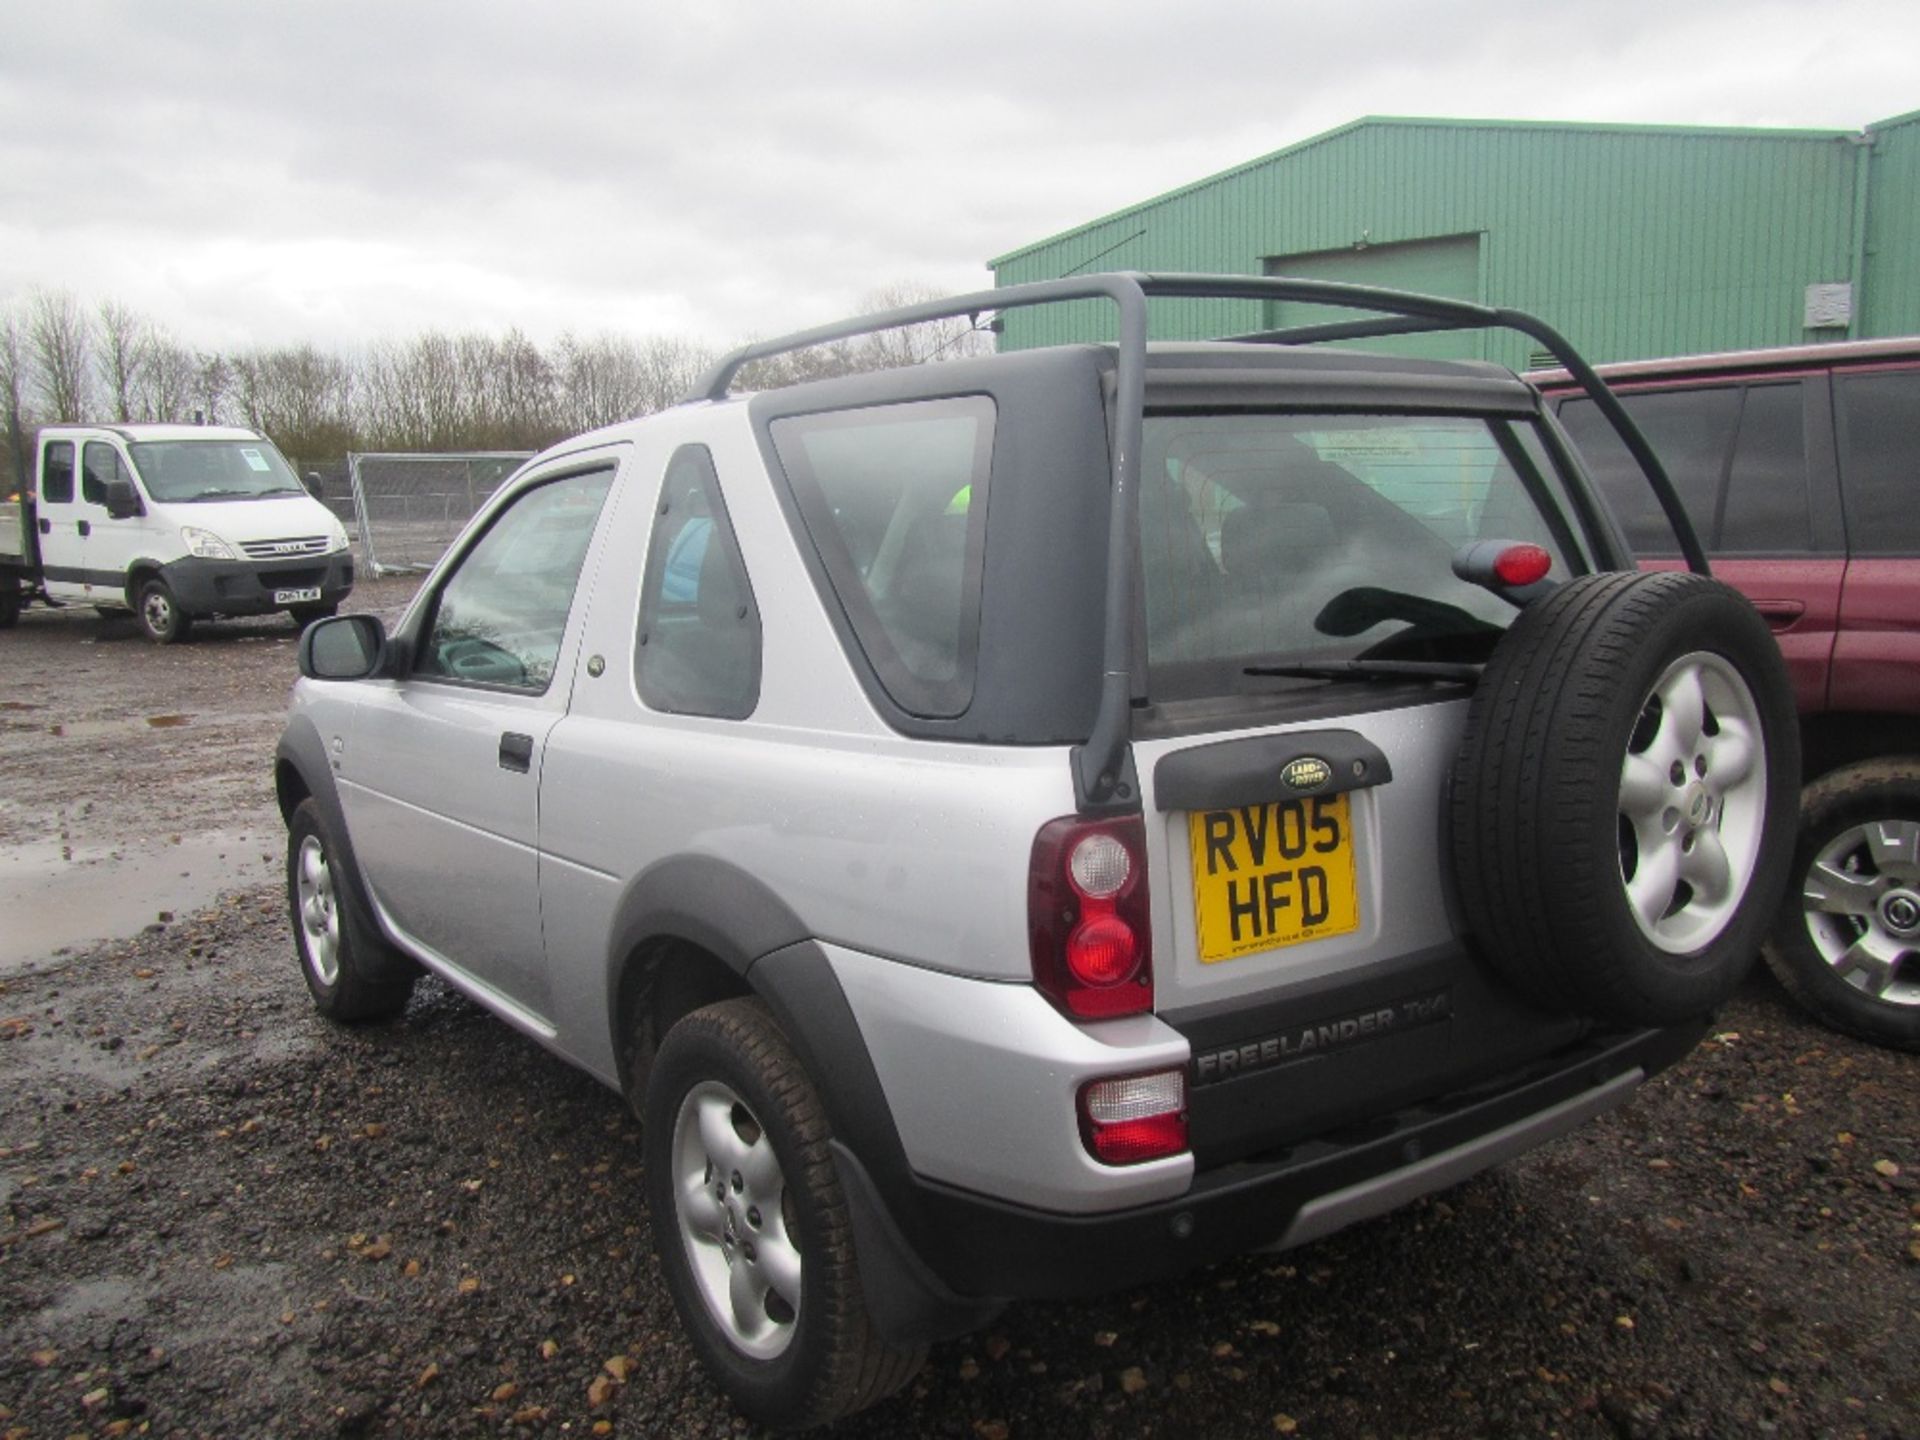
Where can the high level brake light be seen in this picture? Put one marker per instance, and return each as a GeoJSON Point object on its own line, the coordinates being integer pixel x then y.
{"type": "Point", "coordinates": [1088, 924]}
{"type": "Point", "coordinates": [1502, 564]}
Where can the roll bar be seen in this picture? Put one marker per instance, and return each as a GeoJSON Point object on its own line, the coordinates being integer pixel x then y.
{"type": "Point", "coordinates": [1103, 777]}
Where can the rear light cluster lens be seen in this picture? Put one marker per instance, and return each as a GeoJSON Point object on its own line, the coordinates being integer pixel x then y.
{"type": "Point", "coordinates": [1088, 923]}
{"type": "Point", "coordinates": [1133, 1118]}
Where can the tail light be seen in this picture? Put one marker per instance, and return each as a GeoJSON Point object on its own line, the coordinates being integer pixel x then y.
{"type": "Point", "coordinates": [1088, 923]}
{"type": "Point", "coordinates": [1132, 1118]}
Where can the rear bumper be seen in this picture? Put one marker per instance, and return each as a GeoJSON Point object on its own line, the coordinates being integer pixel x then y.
{"type": "Point", "coordinates": [980, 1248]}
{"type": "Point", "coordinates": [243, 587]}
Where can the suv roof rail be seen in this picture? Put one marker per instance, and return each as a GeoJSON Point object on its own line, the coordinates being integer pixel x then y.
{"type": "Point", "coordinates": [1103, 776]}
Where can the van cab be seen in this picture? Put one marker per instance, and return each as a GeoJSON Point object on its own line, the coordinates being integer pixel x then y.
{"type": "Point", "coordinates": [178, 523]}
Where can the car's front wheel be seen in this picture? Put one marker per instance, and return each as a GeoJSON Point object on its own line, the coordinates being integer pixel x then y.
{"type": "Point", "coordinates": [161, 618]}
{"type": "Point", "coordinates": [752, 1228]}
{"type": "Point", "coordinates": [352, 973]}
{"type": "Point", "coordinates": [1847, 941]}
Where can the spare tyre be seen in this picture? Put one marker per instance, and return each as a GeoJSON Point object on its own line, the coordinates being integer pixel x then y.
{"type": "Point", "coordinates": [1622, 809]}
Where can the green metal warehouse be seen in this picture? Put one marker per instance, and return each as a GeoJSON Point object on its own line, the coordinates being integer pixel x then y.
{"type": "Point", "coordinates": [1635, 240]}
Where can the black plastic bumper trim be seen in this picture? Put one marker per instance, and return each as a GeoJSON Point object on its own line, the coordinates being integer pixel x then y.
{"type": "Point", "coordinates": [980, 1246]}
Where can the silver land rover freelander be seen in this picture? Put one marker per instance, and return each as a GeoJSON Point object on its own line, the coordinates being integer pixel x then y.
{"type": "Point", "coordinates": [1031, 825]}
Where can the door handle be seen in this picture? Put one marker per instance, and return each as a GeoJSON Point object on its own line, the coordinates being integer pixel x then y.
{"type": "Point", "coordinates": [516, 752]}
{"type": "Point", "coordinates": [1780, 614]}
{"type": "Point", "coordinates": [46, 526]}
{"type": "Point", "coordinates": [85, 528]}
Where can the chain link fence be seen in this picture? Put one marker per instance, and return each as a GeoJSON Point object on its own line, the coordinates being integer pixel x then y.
{"type": "Point", "coordinates": [409, 507]}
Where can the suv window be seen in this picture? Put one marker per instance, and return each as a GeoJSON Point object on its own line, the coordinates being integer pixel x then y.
{"type": "Point", "coordinates": [1324, 537]}
{"type": "Point", "coordinates": [1880, 460]}
{"type": "Point", "coordinates": [894, 498]}
{"type": "Point", "coordinates": [698, 651]}
{"type": "Point", "coordinates": [56, 473]}
{"type": "Point", "coordinates": [1736, 454]}
{"type": "Point", "coordinates": [500, 616]}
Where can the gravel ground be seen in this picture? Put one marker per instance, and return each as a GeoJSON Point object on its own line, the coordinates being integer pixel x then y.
{"type": "Point", "coordinates": [221, 1216]}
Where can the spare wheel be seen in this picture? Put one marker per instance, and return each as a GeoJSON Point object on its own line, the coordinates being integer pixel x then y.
{"type": "Point", "coordinates": [1623, 806]}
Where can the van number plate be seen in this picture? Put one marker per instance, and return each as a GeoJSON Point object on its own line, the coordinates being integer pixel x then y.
{"type": "Point", "coordinates": [1271, 875]}
{"type": "Point", "coordinates": [295, 597]}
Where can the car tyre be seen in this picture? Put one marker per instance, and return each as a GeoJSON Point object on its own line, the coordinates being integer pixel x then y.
{"type": "Point", "coordinates": [351, 971]}
{"type": "Point", "coordinates": [9, 604]}
{"type": "Point", "coordinates": [1846, 943]}
{"type": "Point", "coordinates": [161, 619]}
{"type": "Point", "coordinates": [1622, 807]}
{"type": "Point", "coordinates": [752, 1228]}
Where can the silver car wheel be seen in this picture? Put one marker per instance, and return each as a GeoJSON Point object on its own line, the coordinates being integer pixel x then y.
{"type": "Point", "coordinates": [319, 911]}
{"type": "Point", "coordinates": [1693, 796]}
{"type": "Point", "coordinates": [1862, 903]}
{"type": "Point", "coordinates": [157, 609]}
{"type": "Point", "coordinates": [735, 1220]}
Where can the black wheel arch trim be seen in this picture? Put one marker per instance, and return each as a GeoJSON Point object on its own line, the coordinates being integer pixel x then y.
{"type": "Point", "coordinates": [302, 752]}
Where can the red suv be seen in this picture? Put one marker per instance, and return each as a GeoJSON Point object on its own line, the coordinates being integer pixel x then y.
{"type": "Point", "coordinates": [1801, 470]}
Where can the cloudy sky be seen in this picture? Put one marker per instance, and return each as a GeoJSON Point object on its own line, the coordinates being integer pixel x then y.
{"type": "Point", "coordinates": [264, 171]}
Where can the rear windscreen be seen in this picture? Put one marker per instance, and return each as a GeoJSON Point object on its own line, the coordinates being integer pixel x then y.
{"type": "Point", "coordinates": [1272, 538]}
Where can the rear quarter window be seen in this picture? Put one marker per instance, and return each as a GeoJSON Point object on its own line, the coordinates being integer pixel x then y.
{"type": "Point", "coordinates": [894, 501]}
{"type": "Point", "coordinates": [1880, 461]}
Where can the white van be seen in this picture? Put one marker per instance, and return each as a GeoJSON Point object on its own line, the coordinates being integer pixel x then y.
{"type": "Point", "coordinates": [174, 523]}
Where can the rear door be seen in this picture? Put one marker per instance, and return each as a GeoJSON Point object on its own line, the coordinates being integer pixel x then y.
{"type": "Point", "coordinates": [1876, 665]}
{"type": "Point", "coordinates": [1304, 939]}
{"type": "Point", "coordinates": [59, 519]}
{"type": "Point", "coordinates": [1754, 468]}
{"type": "Point", "coordinates": [441, 782]}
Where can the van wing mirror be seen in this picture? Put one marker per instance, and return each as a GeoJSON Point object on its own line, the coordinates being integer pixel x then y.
{"type": "Point", "coordinates": [123, 501]}
{"type": "Point", "coordinates": [313, 483]}
{"type": "Point", "coordinates": [344, 647]}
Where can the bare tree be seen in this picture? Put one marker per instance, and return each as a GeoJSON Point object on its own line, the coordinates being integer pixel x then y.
{"type": "Point", "coordinates": [212, 379]}
{"type": "Point", "coordinates": [300, 397]}
{"type": "Point", "coordinates": [168, 377]}
{"type": "Point", "coordinates": [13, 380]}
{"type": "Point", "coordinates": [58, 351]}
{"type": "Point", "coordinates": [118, 331]}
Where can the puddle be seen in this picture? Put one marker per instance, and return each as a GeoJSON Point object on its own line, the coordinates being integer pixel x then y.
{"type": "Point", "coordinates": [54, 895]}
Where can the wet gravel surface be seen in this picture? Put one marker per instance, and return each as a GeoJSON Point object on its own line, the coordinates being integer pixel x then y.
{"type": "Point", "coordinates": [221, 1216]}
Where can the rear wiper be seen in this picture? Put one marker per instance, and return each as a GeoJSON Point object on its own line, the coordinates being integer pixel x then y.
{"type": "Point", "coordinates": [1374, 670]}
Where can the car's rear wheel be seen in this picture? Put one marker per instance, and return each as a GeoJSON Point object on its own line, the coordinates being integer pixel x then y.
{"type": "Point", "coordinates": [752, 1228]}
{"type": "Point", "coordinates": [1846, 943]}
{"type": "Point", "coordinates": [1623, 806]}
{"type": "Point", "coordinates": [350, 970]}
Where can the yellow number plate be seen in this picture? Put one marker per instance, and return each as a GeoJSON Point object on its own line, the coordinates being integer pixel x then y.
{"type": "Point", "coordinates": [1272, 875]}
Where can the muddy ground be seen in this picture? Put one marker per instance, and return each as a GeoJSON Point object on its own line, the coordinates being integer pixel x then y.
{"type": "Point", "coordinates": [220, 1216]}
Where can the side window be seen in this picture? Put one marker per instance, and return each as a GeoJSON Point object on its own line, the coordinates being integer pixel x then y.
{"type": "Point", "coordinates": [698, 650]}
{"type": "Point", "coordinates": [1880, 461]}
{"type": "Point", "coordinates": [102, 464]}
{"type": "Point", "coordinates": [500, 616]}
{"type": "Point", "coordinates": [56, 473]}
{"type": "Point", "coordinates": [1765, 510]}
{"type": "Point", "coordinates": [1689, 430]}
{"type": "Point", "coordinates": [894, 498]}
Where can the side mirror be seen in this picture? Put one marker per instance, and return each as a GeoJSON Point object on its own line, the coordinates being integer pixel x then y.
{"type": "Point", "coordinates": [123, 501]}
{"type": "Point", "coordinates": [313, 483]}
{"type": "Point", "coordinates": [343, 647]}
